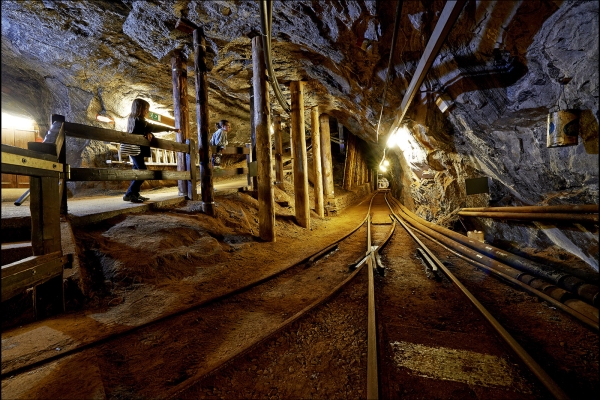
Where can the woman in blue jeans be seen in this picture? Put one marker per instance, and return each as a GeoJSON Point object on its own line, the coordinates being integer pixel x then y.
{"type": "Point", "coordinates": [137, 125]}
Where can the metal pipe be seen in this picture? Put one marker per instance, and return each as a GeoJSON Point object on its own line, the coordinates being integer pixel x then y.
{"type": "Point", "coordinates": [533, 366]}
{"type": "Point", "coordinates": [583, 208]}
{"type": "Point", "coordinates": [584, 290]}
{"type": "Point", "coordinates": [387, 75]}
{"type": "Point", "coordinates": [537, 216]}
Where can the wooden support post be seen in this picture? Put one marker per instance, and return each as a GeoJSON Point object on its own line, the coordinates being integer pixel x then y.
{"type": "Point", "coordinates": [206, 173]}
{"type": "Point", "coordinates": [248, 163]}
{"type": "Point", "coordinates": [279, 177]}
{"type": "Point", "coordinates": [262, 125]}
{"type": "Point", "coordinates": [192, 184]}
{"type": "Point", "coordinates": [253, 133]}
{"type": "Point", "coordinates": [327, 163]}
{"type": "Point", "coordinates": [181, 111]}
{"type": "Point", "coordinates": [316, 149]}
{"type": "Point", "coordinates": [45, 215]}
{"type": "Point", "coordinates": [299, 148]}
{"type": "Point", "coordinates": [349, 165]}
{"type": "Point", "coordinates": [341, 136]}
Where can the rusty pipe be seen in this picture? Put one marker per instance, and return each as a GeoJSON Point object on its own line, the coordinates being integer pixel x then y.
{"type": "Point", "coordinates": [583, 208]}
{"type": "Point", "coordinates": [581, 308]}
{"type": "Point", "coordinates": [586, 291]}
{"type": "Point", "coordinates": [539, 216]}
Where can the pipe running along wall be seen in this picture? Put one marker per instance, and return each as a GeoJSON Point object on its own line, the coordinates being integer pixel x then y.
{"type": "Point", "coordinates": [492, 257]}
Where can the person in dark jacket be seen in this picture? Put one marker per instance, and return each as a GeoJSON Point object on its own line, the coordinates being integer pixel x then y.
{"type": "Point", "coordinates": [137, 125]}
{"type": "Point", "coordinates": [219, 139]}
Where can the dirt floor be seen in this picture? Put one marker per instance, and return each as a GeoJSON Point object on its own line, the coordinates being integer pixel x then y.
{"type": "Point", "coordinates": [137, 268]}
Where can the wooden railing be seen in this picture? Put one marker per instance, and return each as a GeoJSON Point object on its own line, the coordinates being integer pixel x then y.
{"type": "Point", "coordinates": [44, 164]}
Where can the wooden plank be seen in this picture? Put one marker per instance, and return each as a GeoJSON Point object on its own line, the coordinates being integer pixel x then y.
{"type": "Point", "coordinates": [300, 161]}
{"type": "Point", "coordinates": [28, 171]}
{"type": "Point", "coordinates": [109, 135]}
{"type": "Point", "coordinates": [29, 262]}
{"type": "Point", "coordinates": [181, 111]}
{"type": "Point", "coordinates": [54, 139]}
{"type": "Point", "coordinates": [278, 152]}
{"type": "Point", "coordinates": [27, 153]}
{"type": "Point", "coordinates": [191, 167]}
{"type": "Point", "coordinates": [51, 215]}
{"type": "Point", "coordinates": [262, 122]}
{"type": "Point", "coordinates": [202, 118]}
{"type": "Point", "coordinates": [327, 161]}
{"type": "Point", "coordinates": [16, 283]}
{"type": "Point", "coordinates": [232, 150]}
{"type": "Point", "coordinates": [35, 209]}
{"type": "Point", "coordinates": [316, 149]}
{"type": "Point", "coordinates": [103, 174]}
{"type": "Point", "coordinates": [230, 172]}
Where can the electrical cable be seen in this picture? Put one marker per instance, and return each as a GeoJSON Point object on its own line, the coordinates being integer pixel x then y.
{"type": "Point", "coordinates": [266, 14]}
{"type": "Point", "coordinates": [387, 76]}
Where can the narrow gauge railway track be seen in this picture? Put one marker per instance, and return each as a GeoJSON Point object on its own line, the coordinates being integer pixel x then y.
{"type": "Point", "coordinates": [200, 339]}
{"type": "Point", "coordinates": [449, 356]}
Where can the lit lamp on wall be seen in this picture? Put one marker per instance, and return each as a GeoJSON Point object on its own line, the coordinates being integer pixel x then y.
{"type": "Point", "coordinates": [563, 125]}
{"type": "Point", "coordinates": [103, 116]}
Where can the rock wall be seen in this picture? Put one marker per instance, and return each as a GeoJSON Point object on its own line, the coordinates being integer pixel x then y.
{"type": "Point", "coordinates": [500, 133]}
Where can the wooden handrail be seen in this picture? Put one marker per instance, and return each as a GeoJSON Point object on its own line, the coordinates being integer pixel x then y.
{"type": "Point", "coordinates": [109, 135]}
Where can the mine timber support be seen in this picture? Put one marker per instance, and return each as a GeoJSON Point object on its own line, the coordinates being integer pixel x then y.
{"type": "Point", "coordinates": [262, 121]}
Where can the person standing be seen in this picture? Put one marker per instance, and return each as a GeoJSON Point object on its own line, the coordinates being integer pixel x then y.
{"type": "Point", "coordinates": [219, 139]}
{"type": "Point", "coordinates": [137, 125]}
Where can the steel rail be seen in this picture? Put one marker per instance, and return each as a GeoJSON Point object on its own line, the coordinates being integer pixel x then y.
{"type": "Point", "coordinates": [366, 259]}
{"type": "Point", "coordinates": [574, 313]}
{"type": "Point", "coordinates": [79, 348]}
{"type": "Point", "coordinates": [533, 366]}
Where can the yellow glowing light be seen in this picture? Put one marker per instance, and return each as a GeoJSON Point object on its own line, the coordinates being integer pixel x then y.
{"type": "Point", "coordinates": [386, 163]}
{"type": "Point", "coordinates": [382, 168]}
{"type": "Point", "coordinates": [11, 121]}
{"type": "Point", "coordinates": [104, 118]}
{"type": "Point", "coordinates": [391, 142]}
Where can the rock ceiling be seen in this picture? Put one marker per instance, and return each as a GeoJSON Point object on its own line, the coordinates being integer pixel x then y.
{"type": "Point", "coordinates": [501, 67]}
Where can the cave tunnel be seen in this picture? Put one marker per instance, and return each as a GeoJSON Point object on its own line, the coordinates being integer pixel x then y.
{"type": "Point", "coordinates": [404, 202]}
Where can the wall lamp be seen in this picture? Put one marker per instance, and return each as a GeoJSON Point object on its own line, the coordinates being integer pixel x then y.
{"type": "Point", "coordinates": [103, 117]}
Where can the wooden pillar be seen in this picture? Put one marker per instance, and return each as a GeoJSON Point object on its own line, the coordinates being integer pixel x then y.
{"type": "Point", "coordinates": [326, 160]}
{"type": "Point", "coordinates": [316, 149]}
{"type": "Point", "coordinates": [349, 166]}
{"type": "Point", "coordinates": [262, 125]}
{"type": "Point", "coordinates": [279, 177]}
{"type": "Point", "coordinates": [252, 133]}
{"type": "Point", "coordinates": [299, 154]}
{"type": "Point", "coordinates": [341, 136]}
{"type": "Point", "coordinates": [206, 173]}
{"type": "Point", "coordinates": [44, 205]}
{"type": "Point", "coordinates": [181, 112]}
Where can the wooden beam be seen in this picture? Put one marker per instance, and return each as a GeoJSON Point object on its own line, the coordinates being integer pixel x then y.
{"type": "Point", "coordinates": [162, 119]}
{"type": "Point", "coordinates": [262, 125]}
{"type": "Point", "coordinates": [192, 184]}
{"type": "Point", "coordinates": [29, 262]}
{"type": "Point", "coordinates": [349, 164]}
{"type": "Point", "coordinates": [202, 117]}
{"type": "Point", "coordinates": [328, 188]}
{"type": "Point", "coordinates": [110, 135]}
{"type": "Point", "coordinates": [15, 283]}
{"type": "Point", "coordinates": [299, 148]}
{"type": "Point", "coordinates": [278, 152]}
{"type": "Point", "coordinates": [181, 111]}
{"type": "Point", "coordinates": [448, 17]}
{"type": "Point", "coordinates": [316, 150]}
{"type": "Point", "coordinates": [104, 174]}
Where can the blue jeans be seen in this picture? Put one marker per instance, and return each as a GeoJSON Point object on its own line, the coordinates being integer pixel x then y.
{"type": "Point", "coordinates": [134, 187]}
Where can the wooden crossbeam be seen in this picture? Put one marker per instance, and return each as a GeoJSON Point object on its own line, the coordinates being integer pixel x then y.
{"type": "Point", "coordinates": [90, 174]}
